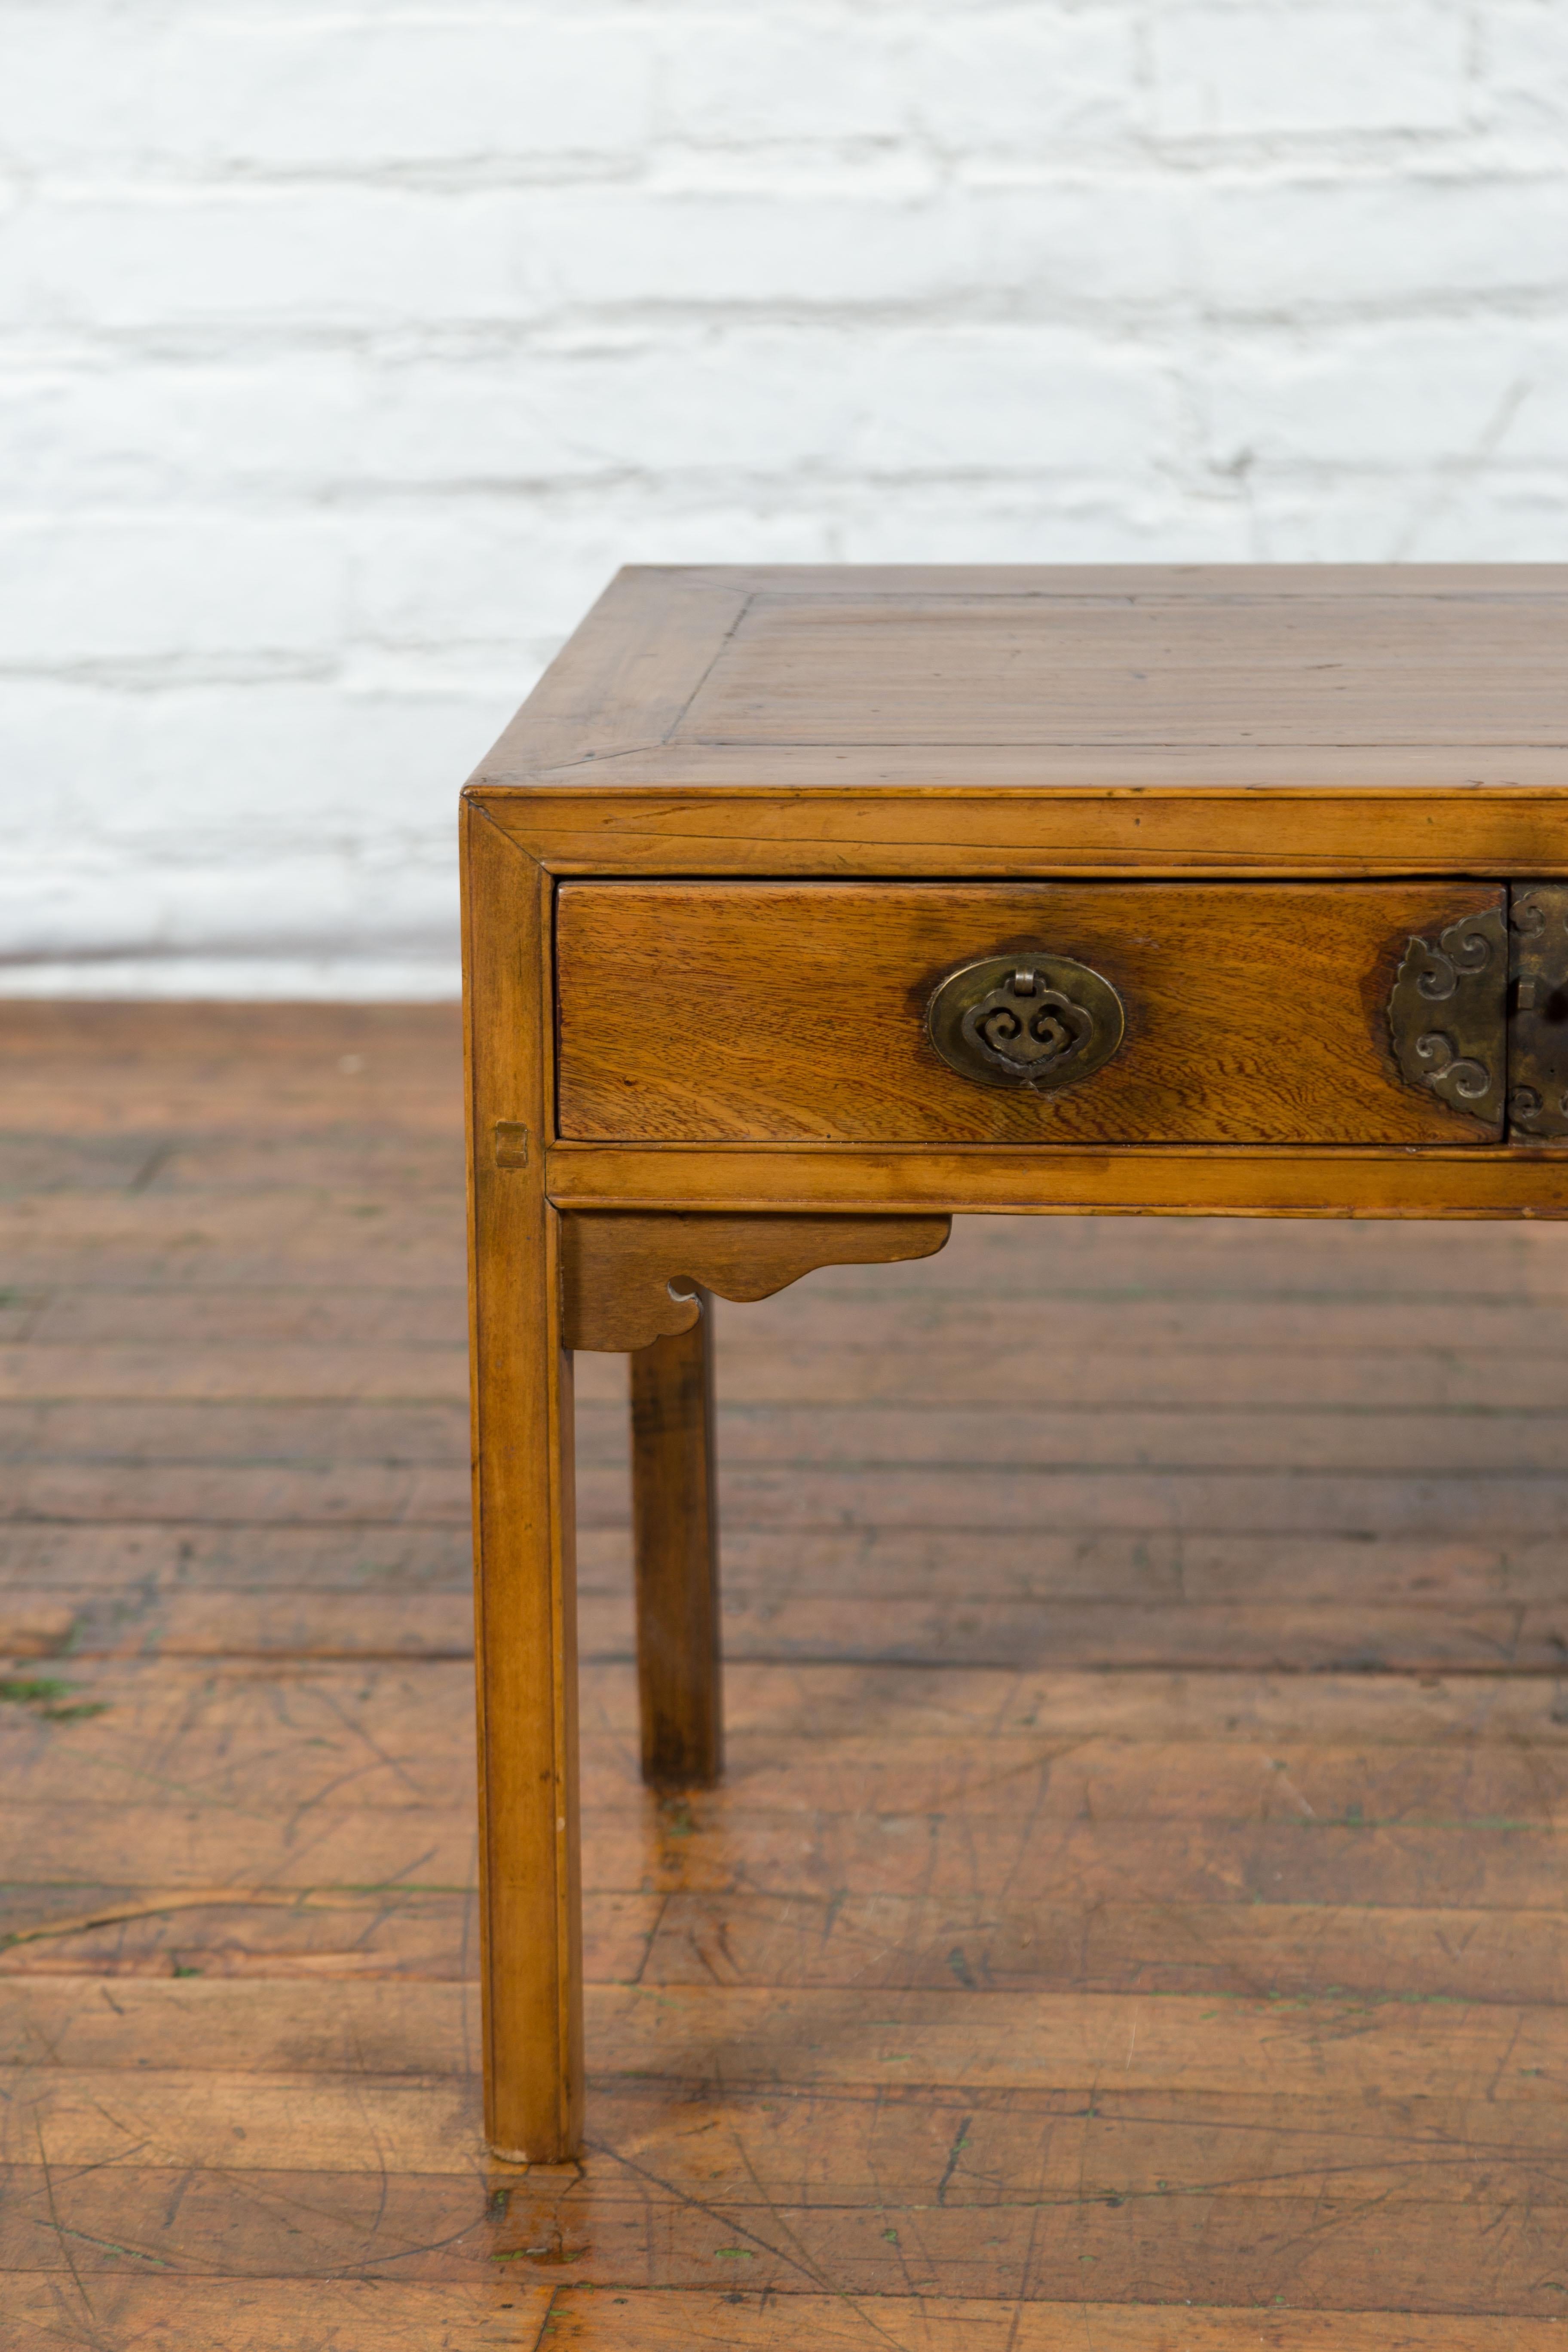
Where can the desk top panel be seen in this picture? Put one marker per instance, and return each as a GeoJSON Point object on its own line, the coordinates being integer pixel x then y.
{"type": "Point", "coordinates": [1417, 675]}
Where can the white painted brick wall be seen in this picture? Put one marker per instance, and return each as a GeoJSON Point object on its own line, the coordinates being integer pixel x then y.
{"type": "Point", "coordinates": [347, 349]}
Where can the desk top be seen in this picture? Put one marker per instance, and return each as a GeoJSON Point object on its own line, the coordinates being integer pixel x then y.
{"type": "Point", "coordinates": [1421, 676]}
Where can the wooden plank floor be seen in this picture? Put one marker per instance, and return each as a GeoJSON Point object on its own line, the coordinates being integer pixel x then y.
{"type": "Point", "coordinates": [1134, 1920]}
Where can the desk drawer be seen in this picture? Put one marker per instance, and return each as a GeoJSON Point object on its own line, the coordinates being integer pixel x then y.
{"type": "Point", "coordinates": [1249, 1012]}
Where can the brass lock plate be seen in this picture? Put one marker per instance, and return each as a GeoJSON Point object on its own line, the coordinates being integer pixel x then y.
{"type": "Point", "coordinates": [1480, 1014]}
{"type": "Point", "coordinates": [1030, 1020]}
{"type": "Point", "coordinates": [1447, 1016]}
{"type": "Point", "coordinates": [1538, 1010]}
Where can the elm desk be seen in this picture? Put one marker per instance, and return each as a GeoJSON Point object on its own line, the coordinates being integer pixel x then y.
{"type": "Point", "coordinates": [804, 908]}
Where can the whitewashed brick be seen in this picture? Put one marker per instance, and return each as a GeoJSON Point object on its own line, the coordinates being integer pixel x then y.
{"type": "Point", "coordinates": [1011, 402]}
{"type": "Point", "coordinates": [491, 576]}
{"type": "Point", "coordinates": [1233, 68]}
{"type": "Point", "coordinates": [189, 824]}
{"type": "Point", "coordinates": [105, 90]}
{"type": "Point", "coordinates": [767, 400]}
{"type": "Point", "coordinates": [1368, 240]}
{"type": "Point", "coordinates": [78, 86]}
{"type": "Point", "coordinates": [1090, 522]}
{"type": "Point", "coordinates": [652, 400]}
{"type": "Point", "coordinates": [1427, 516]}
{"type": "Point", "coordinates": [1391, 397]}
{"type": "Point", "coordinates": [978, 79]}
{"type": "Point", "coordinates": [783, 75]}
{"type": "Point", "coordinates": [334, 978]}
{"type": "Point", "coordinates": [226, 260]}
{"type": "Point", "coordinates": [248, 908]}
{"type": "Point", "coordinates": [138, 767]}
{"type": "Point", "coordinates": [343, 97]}
{"type": "Point", "coordinates": [134, 588]}
{"type": "Point", "coordinates": [1069, 242]}
{"type": "Point", "coordinates": [1523, 81]}
{"type": "Point", "coordinates": [348, 346]}
{"type": "Point", "coordinates": [98, 430]}
{"type": "Point", "coordinates": [1026, 79]}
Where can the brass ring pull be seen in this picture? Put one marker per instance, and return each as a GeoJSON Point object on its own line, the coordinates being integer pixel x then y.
{"type": "Point", "coordinates": [1029, 1019]}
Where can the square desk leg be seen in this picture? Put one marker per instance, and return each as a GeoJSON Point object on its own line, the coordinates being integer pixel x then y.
{"type": "Point", "coordinates": [675, 1534]}
{"type": "Point", "coordinates": [527, 1639]}
{"type": "Point", "coordinates": [525, 1578]}
{"type": "Point", "coordinates": [534, 2024]}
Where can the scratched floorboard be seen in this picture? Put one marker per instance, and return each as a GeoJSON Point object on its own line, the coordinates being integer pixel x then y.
{"type": "Point", "coordinates": [1135, 1914]}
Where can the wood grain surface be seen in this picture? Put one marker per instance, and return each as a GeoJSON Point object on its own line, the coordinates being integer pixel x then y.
{"type": "Point", "coordinates": [736, 1011]}
{"type": "Point", "coordinates": [524, 1505]}
{"type": "Point", "coordinates": [628, 1281]}
{"type": "Point", "coordinates": [1057, 675]}
{"type": "Point", "coordinates": [675, 1557]}
{"type": "Point", "coordinates": [1174, 815]}
{"type": "Point", "coordinates": [1153, 665]}
{"type": "Point", "coordinates": [1468, 1181]}
{"type": "Point", "coordinates": [1133, 1912]}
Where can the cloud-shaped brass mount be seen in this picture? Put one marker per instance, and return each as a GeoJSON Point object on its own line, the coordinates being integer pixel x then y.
{"type": "Point", "coordinates": [1030, 1021]}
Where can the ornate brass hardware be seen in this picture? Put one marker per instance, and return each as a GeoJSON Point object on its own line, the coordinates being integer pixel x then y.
{"type": "Point", "coordinates": [1028, 1019]}
{"type": "Point", "coordinates": [1448, 1012]}
{"type": "Point", "coordinates": [1538, 1010]}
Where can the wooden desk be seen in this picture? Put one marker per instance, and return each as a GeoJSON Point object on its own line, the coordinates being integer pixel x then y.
{"type": "Point", "coordinates": [806, 908]}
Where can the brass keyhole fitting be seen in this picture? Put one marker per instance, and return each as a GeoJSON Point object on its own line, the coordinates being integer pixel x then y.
{"type": "Point", "coordinates": [1031, 1020]}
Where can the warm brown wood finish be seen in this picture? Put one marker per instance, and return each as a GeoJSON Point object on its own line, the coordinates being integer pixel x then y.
{"type": "Point", "coordinates": [720, 861]}
{"type": "Point", "coordinates": [756, 1013]}
{"type": "Point", "coordinates": [1133, 1917]}
{"type": "Point", "coordinates": [675, 1546]}
{"type": "Point", "coordinates": [525, 1550]}
{"type": "Point", "coordinates": [1306, 677]}
{"type": "Point", "coordinates": [542, 1286]}
{"type": "Point", "coordinates": [1158, 661]}
{"type": "Point", "coordinates": [737, 838]}
{"type": "Point", "coordinates": [910, 830]}
{"type": "Point", "coordinates": [1190, 1180]}
{"type": "Point", "coordinates": [628, 1279]}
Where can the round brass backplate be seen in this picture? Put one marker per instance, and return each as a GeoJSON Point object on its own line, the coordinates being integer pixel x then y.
{"type": "Point", "coordinates": [1029, 1019]}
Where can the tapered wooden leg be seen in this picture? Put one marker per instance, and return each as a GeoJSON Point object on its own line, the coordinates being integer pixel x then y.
{"type": "Point", "coordinates": [675, 1527]}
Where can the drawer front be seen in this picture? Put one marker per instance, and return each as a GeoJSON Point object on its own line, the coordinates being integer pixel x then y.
{"type": "Point", "coordinates": [743, 1011]}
